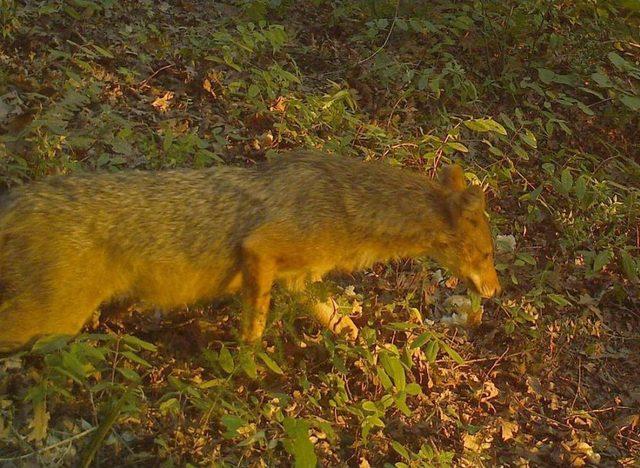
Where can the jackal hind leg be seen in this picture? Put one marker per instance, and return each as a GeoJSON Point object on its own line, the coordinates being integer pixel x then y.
{"type": "Point", "coordinates": [23, 320]}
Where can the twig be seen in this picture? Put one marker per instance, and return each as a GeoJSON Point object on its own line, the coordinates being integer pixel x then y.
{"type": "Point", "coordinates": [488, 374]}
{"type": "Point", "coordinates": [393, 23]}
{"type": "Point", "coordinates": [146, 80]}
{"type": "Point", "coordinates": [578, 392]}
{"type": "Point", "coordinates": [50, 447]}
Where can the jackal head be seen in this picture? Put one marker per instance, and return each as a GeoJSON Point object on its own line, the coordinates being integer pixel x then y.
{"type": "Point", "coordinates": [468, 249]}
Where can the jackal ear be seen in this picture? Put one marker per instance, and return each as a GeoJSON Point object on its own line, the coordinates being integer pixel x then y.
{"type": "Point", "coordinates": [470, 200]}
{"type": "Point", "coordinates": [452, 177]}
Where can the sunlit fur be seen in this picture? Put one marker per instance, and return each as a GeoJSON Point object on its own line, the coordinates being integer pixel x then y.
{"type": "Point", "coordinates": [171, 238]}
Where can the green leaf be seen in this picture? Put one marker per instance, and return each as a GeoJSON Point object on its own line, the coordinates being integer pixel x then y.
{"type": "Point", "coordinates": [457, 146]}
{"type": "Point", "coordinates": [421, 340]}
{"type": "Point", "coordinates": [580, 187]}
{"type": "Point", "coordinates": [138, 343]}
{"type": "Point", "coordinates": [629, 266]}
{"type": "Point", "coordinates": [401, 403]}
{"type": "Point", "coordinates": [370, 406]}
{"type": "Point", "coordinates": [270, 363]}
{"type": "Point", "coordinates": [232, 423]}
{"type": "Point", "coordinates": [248, 364]}
{"type": "Point", "coordinates": [253, 91]}
{"type": "Point", "coordinates": [135, 358]}
{"type": "Point", "coordinates": [50, 343]}
{"type": "Point", "coordinates": [560, 300]}
{"type": "Point", "coordinates": [632, 102]}
{"type": "Point", "coordinates": [601, 260]}
{"type": "Point", "coordinates": [546, 76]}
{"type": "Point", "coordinates": [431, 351]}
{"type": "Point", "coordinates": [529, 138]}
{"type": "Point", "coordinates": [103, 52]}
{"type": "Point", "coordinates": [401, 449]}
{"type": "Point", "coordinates": [566, 181]}
{"type": "Point", "coordinates": [452, 353]}
{"type": "Point", "coordinates": [620, 63]}
{"type": "Point", "coordinates": [298, 443]}
{"type": "Point", "coordinates": [384, 378]}
{"type": "Point", "coordinates": [602, 79]}
{"type": "Point", "coordinates": [485, 125]}
{"type": "Point", "coordinates": [585, 109]}
{"type": "Point", "coordinates": [413, 389]}
{"type": "Point", "coordinates": [129, 374]}
{"type": "Point", "coordinates": [394, 368]}
{"type": "Point", "coordinates": [226, 360]}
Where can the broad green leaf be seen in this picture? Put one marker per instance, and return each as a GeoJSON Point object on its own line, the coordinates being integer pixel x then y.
{"type": "Point", "coordinates": [602, 79]}
{"type": "Point", "coordinates": [50, 343]}
{"type": "Point", "coordinates": [632, 102]}
{"type": "Point", "coordinates": [370, 406]}
{"type": "Point", "coordinates": [384, 378]}
{"type": "Point", "coordinates": [248, 364]}
{"type": "Point", "coordinates": [546, 76]}
{"type": "Point", "coordinates": [226, 360]}
{"type": "Point", "coordinates": [580, 187]}
{"type": "Point", "coordinates": [401, 403]}
{"type": "Point", "coordinates": [270, 363]}
{"type": "Point", "coordinates": [129, 374]}
{"type": "Point", "coordinates": [135, 358]}
{"type": "Point", "coordinates": [298, 443]}
{"type": "Point", "coordinates": [566, 181]}
{"type": "Point", "coordinates": [452, 353]}
{"type": "Point", "coordinates": [620, 63]}
{"type": "Point", "coordinates": [601, 260]}
{"type": "Point", "coordinates": [529, 138]}
{"type": "Point", "coordinates": [629, 266]}
{"type": "Point", "coordinates": [457, 146]}
{"type": "Point", "coordinates": [413, 389]}
{"type": "Point", "coordinates": [138, 343]}
{"type": "Point", "coordinates": [421, 340]}
{"type": "Point", "coordinates": [232, 423]}
{"type": "Point", "coordinates": [103, 52]}
{"type": "Point", "coordinates": [585, 109]}
{"type": "Point", "coordinates": [401, 449]}
{"type": "Point", "coordinates": [394, 369]}
{"type": "Point", "coordinates": [431, 351]}
{"type": "Point", "coordinates": [485, 125]}
{"type": "Point", "coordinates": [560, 300]}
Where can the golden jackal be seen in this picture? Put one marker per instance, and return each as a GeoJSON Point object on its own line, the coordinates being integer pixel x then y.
{"type": "Point", "coordinates": [70, 243]}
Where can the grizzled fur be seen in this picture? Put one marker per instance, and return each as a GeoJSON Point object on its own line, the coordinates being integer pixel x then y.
{"type": "Point", "coordinates": [70, 243]}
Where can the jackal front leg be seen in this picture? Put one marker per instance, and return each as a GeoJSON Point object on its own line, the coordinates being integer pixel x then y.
{"type": "Point", "coordinates": [328, 315]}
{"type": "Point", "coordinates": [258, 271]}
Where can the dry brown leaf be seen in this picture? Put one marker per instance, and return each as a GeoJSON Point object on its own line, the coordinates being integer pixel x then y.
{"type": "Point", "coordinates": [162, 103]}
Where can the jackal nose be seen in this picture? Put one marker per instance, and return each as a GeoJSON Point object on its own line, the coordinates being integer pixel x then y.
{"type": "Point", "coordinates": [490, 290]}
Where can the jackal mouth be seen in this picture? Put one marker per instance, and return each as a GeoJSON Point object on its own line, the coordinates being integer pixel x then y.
{"type": "Point", "coordinates": [482, 289]}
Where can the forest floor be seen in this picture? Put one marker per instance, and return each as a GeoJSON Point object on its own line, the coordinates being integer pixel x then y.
{"type": "Point", "coordinates": [538, 101]}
